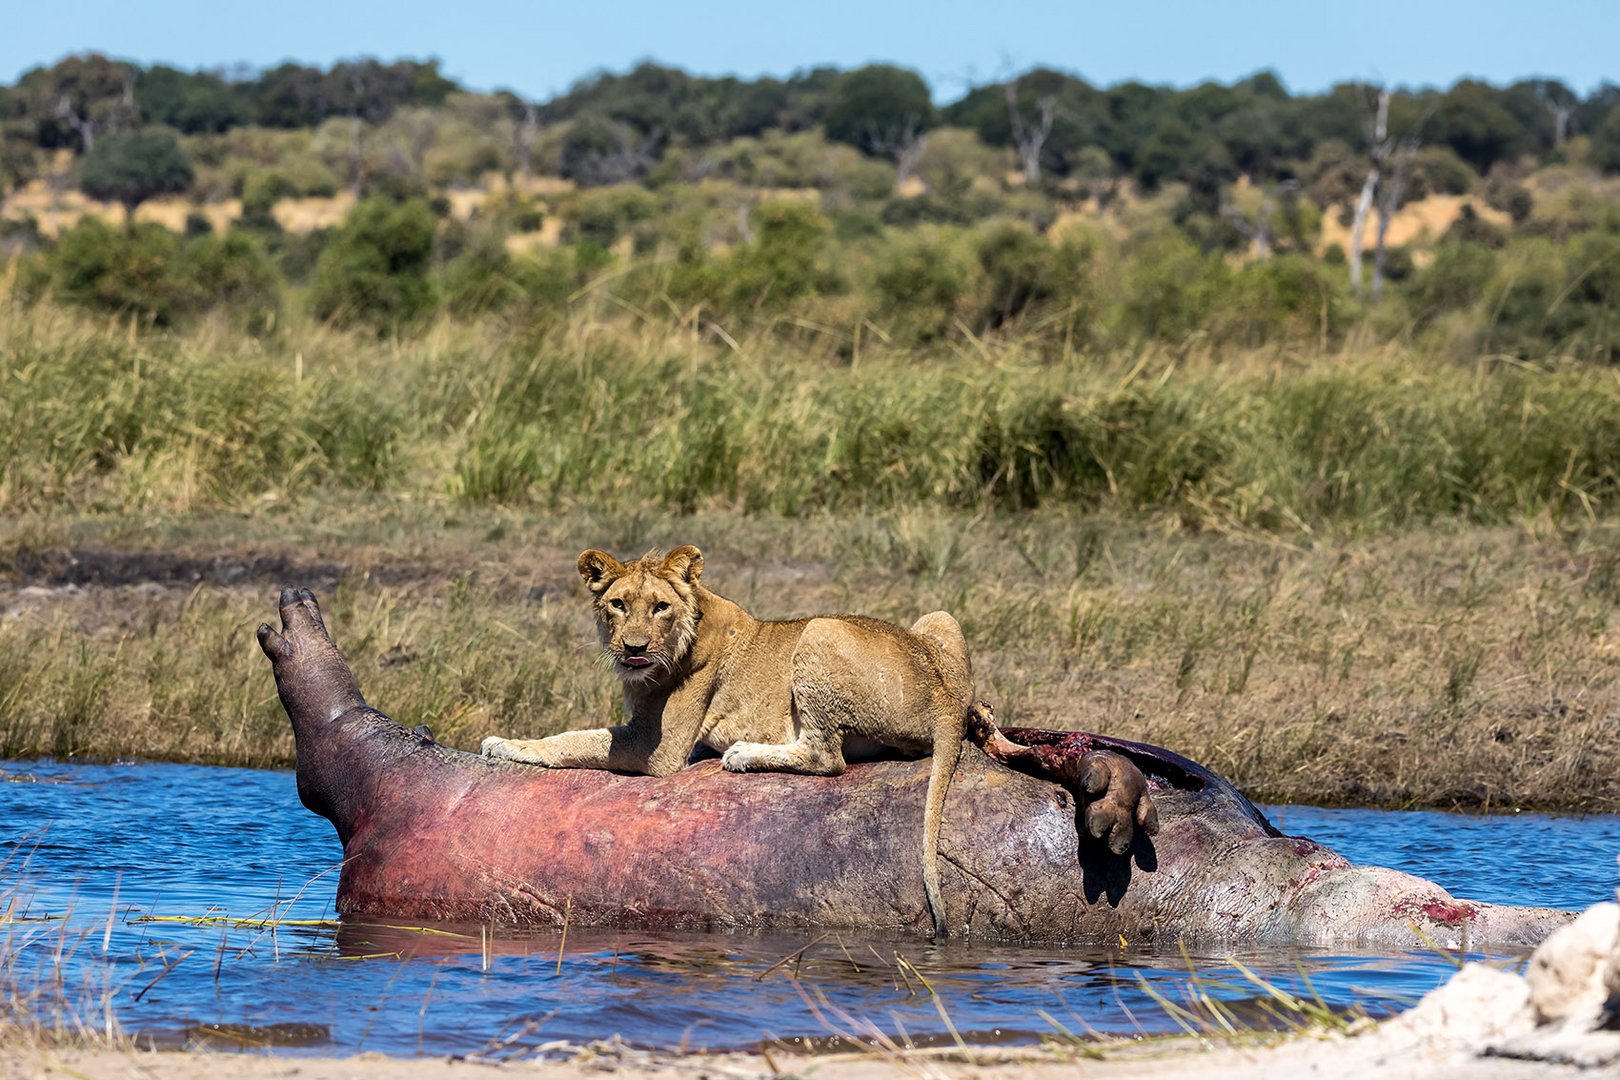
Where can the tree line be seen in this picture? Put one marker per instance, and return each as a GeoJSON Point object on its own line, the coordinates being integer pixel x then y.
{"type": "Point", "coordinates": [1058, 125]}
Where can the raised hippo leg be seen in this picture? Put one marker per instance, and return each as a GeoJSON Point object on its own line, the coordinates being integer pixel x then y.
{"type": "Point", "coordinates": [315, 683]}
{"type": "Point", "coordinates": [1119, 800]}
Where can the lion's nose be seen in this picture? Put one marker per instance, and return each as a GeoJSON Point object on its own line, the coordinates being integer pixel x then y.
{"type": "Point", "coordinates": [634, 647]}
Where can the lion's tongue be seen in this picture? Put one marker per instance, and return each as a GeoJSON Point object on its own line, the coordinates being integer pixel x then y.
{"type": "Point", "coordinates": [636, 661]}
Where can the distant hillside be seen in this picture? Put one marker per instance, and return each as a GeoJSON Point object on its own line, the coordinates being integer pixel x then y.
{"type": "Point", "coordinates": [1481, 219]}
{"type": "Point", "coordinates": [618, 127]}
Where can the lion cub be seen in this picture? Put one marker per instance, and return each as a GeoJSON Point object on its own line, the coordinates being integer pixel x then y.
{"type": "Point", "coordinates": [791, 696]}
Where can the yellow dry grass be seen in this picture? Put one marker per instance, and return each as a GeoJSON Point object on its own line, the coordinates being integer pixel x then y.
{"type": "Point", "coordinates": [465, 202]}
{"type": "Point", "coordinates": [812, 196]}
{"type": "Point", "coordinates": [548, 235]}
{"type": "Point", "coordinates": [308, 214]}
{"type": "Point", "coordinates": [57, 211]}
{"type": "Point", "coordinates": [1420, 222]}
{"type": "Point", "coordinates": [497, 184]}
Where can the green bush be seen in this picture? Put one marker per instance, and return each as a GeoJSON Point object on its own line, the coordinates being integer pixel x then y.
{"type": "Point", "coordinates": [1437, 170]}
{"type": "Point", "coordinates": [603, 215]}
{"type": "Point", "coordinates": [1512, 199]}
{"type": "Point", "coordinates": [129, 271]}
{"type": "Point", "coordinates": [785, 262]}
{"type": "Point", "coordinates": [918, 282]}
{"type": "Point", "coordinates": [1454, 281]}
{"type": "Point", "coordinates": [1286, 298]}
{"type": "Point", "coordinates": [134, 165]}
{"type": "Point", "coordinates": [1167, 289]}
{"type": "Point", "coordinates": [233, 269]}
{"type": "Point", "coordinates": [1550, 298]}
{"type": "Point", "coordinates": [375, 269]}
{"type": "Point", "coordinates": [261, 190]}
{"type": "Point", "coordinates": [1019, 270]}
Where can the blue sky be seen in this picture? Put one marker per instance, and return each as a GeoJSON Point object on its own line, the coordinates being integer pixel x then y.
{"type": "Point", "coordinates": [540, 48]}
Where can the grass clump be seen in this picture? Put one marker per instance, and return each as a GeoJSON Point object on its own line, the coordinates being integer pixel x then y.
{"type": "Point", "coordinates": [583, 412]}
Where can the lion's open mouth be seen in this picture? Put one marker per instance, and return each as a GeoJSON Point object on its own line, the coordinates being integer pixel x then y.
{"type": "Point", "coordinates": [636, 661]}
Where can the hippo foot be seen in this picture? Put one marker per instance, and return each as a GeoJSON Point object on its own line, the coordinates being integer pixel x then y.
{"type": "Point", "coordinates": [313, 679]}
{"type": "Point", "coordinates": [1119, 802]}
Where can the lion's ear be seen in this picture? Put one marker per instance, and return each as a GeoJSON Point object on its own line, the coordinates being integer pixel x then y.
{"type": "Point", "coordinates": [598, 568]}
{"type": "Point", "coordinates": [686, 563]}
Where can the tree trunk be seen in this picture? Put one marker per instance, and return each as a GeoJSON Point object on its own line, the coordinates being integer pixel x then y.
{"type": "Point", "coordinates": [356, 156]}
{"type": "Point", "coordinates": [1378, 148]}
{"type": "Point", "coordinates": [1358, 227]}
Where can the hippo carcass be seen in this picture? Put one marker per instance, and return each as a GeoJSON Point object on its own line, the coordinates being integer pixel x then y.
{"type": "Point", "coordinates": [434, 833]}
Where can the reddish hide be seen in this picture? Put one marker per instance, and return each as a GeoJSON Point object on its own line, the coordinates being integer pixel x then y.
{"type": "Point", "coordinates": [433, 833]}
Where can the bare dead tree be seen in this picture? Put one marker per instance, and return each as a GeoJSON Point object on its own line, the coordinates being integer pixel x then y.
{"type": "Point", "coordinates": [1259, 232]}
{"type": "Point", "coordinates": [82, 126]}
{"type": "Point", "coordinates": [1560, 105]}
{"type": "Point", "coordinates": [357, 147]}
{"type": "Point", "coordinates": [1378, 151]}
{"type": "Point", "coordinates": [1028, 139]}
{"type": "Point", "coordinates": [357, 154]}
{"type": "Point", "coordinates": [1390, 191]}
{"type": "Point", "coordinates": [96, 118]}
{"type": "Point", "coordinates": [1390, 164]}
{"type": "Point", "coordinates": [905, 144]}
{"type": "Point", "coordinates": [423, 128]}
{"type": "Point", "coordinates": [524, 133]}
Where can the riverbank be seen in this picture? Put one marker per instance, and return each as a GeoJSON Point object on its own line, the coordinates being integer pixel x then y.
{"type": "Point", "coordinates": [1467, 667]}
{"type": "Point", "coordinates": [1180, 1059]}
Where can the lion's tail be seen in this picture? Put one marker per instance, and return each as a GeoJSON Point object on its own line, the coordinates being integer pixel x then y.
{"type": "Point", "coordinates": [947, 752]}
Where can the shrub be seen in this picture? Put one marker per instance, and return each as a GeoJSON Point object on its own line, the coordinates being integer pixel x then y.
{"type": "Point", "coordinates": [1454, 281]}
{"type": "Point", "coordinates": [917, 284]}
{"type": "Point", "coordinates": [1284, 298]}
{"type": "Point", "coordinates": [1437, 170]}
{"type": "Point", "coordinates": [375, 268]}
{"type": "Point", "coordinates": [1514, 200]}
{"type": "Point", "coordinates": [233, 269]}
{"type": "Point", "coordinates": [1019, 272]}
{"type": "Point", "coordinates": [1167, 288]}
{"type": "Point", "coordinates": [132, 270]}
{"type": "Point", "coordinates": [603, 215]}
{"type": "Point", "coordinates": [783, 263]}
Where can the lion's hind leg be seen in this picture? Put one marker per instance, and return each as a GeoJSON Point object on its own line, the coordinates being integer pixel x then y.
{"type": "Point", "coordinates": [820, 684]}
{"type": "Point", "coordinates": [811, 753]}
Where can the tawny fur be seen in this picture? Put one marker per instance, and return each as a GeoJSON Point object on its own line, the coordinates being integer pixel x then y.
{"type": "Point", "coordinates": [792, 696]}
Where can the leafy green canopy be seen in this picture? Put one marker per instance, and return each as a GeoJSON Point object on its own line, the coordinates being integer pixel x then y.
{"type": "Point", "coordinates": [133, 166]}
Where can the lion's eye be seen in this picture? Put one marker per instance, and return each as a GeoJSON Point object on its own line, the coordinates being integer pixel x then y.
{"type": "Point", "coordinates": [660, 607]}
{"type": "Point", "coordinates": [616, 604]}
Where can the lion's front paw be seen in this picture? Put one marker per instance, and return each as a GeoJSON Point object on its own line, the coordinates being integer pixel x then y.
{"type": "Point", "coordinates": [495, 747]}
{"type": "Point", "coordinates": [1123, 803]}
{"type": "Point", "coordinates": [740, 757]}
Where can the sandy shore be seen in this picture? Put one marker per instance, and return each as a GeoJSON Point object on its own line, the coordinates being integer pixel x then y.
{"type": "Point", "coordinates": [1172, 1060]}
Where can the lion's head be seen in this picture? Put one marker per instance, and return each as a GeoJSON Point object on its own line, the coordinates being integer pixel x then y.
{"type": "Point", "coordinates": [646, 610]}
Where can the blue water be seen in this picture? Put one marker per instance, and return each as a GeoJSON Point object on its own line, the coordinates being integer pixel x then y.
{"type": "Point", "coordinates": [99, 860]}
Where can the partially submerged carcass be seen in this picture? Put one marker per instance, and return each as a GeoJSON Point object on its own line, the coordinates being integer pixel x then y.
{"type": "Point", "coordinates": [433, 833]}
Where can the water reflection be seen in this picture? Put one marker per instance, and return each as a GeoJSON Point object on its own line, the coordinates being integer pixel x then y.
{"type": "Point", "coordinates": [198, 906]}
